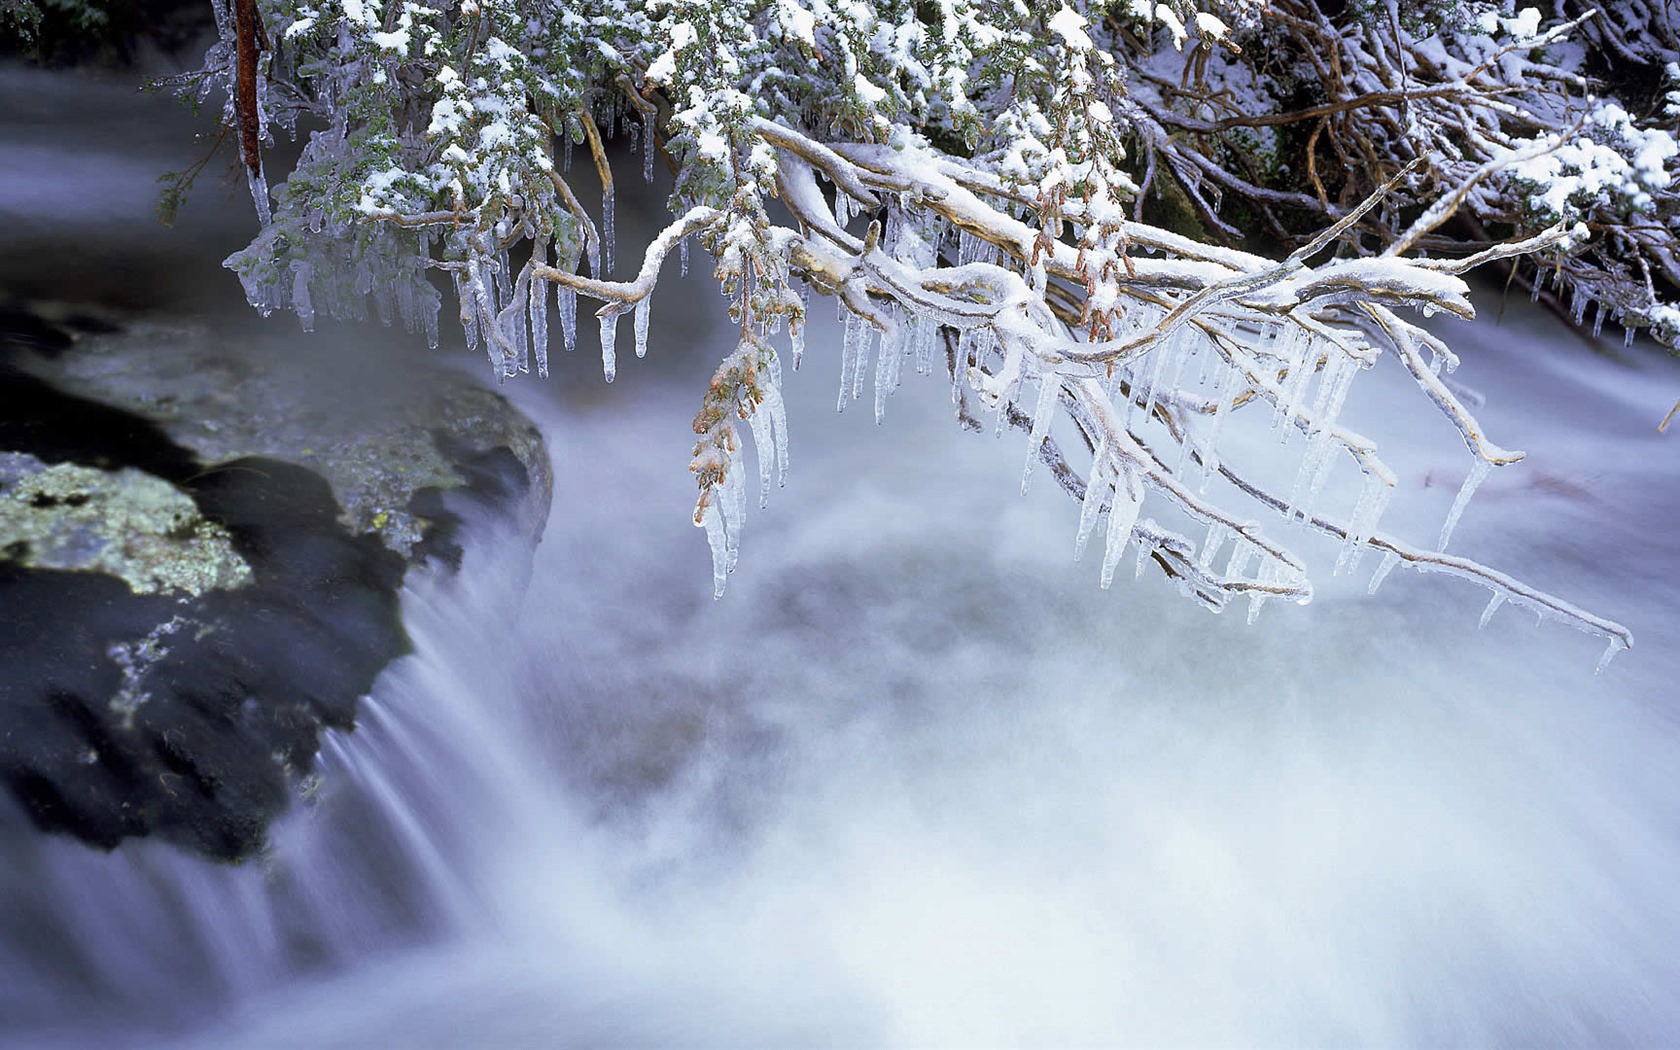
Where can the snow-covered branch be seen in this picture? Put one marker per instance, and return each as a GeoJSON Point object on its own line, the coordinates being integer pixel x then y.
{"type": "Point", "coordinates": [1052, 207]}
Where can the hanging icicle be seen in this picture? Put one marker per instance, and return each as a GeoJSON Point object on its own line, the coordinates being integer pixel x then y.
{"type": "Point", "coordinates": [1096, 488]}
{"type": "Point", "coordinates": [1122, 515]}
{"type": "Point", "coordinates": [1390, 560]}
{"type": "Point", "coordinates": [851, 335]}
{"type": "Point", "coordinates": [609, 336]}
{"type": "Point", "coordinates": [643, 306]}
{"type": "Point", "coordinates": [1479, 468]}
{"type": "Point", "coordinates": [1049, 386]}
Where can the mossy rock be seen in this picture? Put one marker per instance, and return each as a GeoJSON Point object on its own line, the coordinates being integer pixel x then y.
{"type": "Point", "coordinates": [202, 546]}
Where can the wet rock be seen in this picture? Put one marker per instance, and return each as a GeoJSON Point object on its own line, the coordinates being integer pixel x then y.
{"type": "Point", "coordinates": [202, 542]}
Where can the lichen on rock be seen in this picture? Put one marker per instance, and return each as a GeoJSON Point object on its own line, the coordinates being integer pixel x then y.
{"type": "Point", "coordinates": [126, 523]}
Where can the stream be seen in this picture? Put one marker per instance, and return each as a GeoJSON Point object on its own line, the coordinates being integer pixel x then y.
{"type": "Point", "coordinates": [916, 779]}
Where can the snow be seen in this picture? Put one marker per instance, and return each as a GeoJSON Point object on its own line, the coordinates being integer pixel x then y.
{"type": "Point", "coordinates": [1210, 25]}
{"type": "Point", "coordinates": [1070, 25]}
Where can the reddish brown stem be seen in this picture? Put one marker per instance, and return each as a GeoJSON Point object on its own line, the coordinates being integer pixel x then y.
{"type": "Point", "coordinates": [245, 27]}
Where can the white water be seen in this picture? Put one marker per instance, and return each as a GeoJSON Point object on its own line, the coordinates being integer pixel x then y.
{"type": "Point", "coordinates": [917, 781]}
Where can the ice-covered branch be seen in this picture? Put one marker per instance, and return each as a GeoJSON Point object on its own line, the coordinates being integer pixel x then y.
{"type": "Point", "coordinates": [967, 178]}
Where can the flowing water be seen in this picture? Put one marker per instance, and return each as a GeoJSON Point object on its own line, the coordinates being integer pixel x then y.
{"type": "Point", "coordinates": [916, 780]}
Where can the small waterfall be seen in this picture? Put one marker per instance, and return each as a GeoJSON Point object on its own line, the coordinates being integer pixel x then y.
{"type": "Point", "coordinates": [380, 854]}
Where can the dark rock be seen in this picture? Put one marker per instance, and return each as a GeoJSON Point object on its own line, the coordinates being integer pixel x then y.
{"type": "Point", "coordinates": [200, 561]}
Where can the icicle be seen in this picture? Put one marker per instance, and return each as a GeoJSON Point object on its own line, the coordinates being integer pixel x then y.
{"type": "Point", "coordinates": [735, 507]}
{"type": "Point", "coordinates": [1611, 648]}
{"type": "Point", "coordinates": [866, 336]}
{"type": "Point", "coordinates": [712, 521]}
{"type": "Point", "coordinates": [1184, 349]}
{"type": "Point", "coordinates": [1390, 560]}
{"type": "Point", "coordinates": [1339, 373]}
{"type": "Point", "coordinates": [469, 311]}
{"type": "Point", "coordinates": [885, 357]}
{"type": "Point", "coordinates": [892, 235]}
{"type": "Point", "coordinates": [1218, 532]}
{"type": "Point", "coordinates": [1301, 371]}
{"type": "Point", "coordinates": [765, 446]}
{"type": "Point", "coordinates": [608, 237]}
{"type": "Point", "coordinates": [1162, 352]}
{"type": "Point", "coordinates": [1271, 573]}
{"type": "Point", "coordinates": [958, 356]}
{"type": "Point", "coordinates": [851, 334]}
{"type": "Point", "coordinates": [300, 296]}
{"type": "Point", "coordinates": [515, 327]}
{"type": "Point", "coordinates": [592, 249]}
{"type": "Point", "coordinates": [926, 335]}
{"type": "Point", "coordinates": [501, 280]}
{"type": "Point", "coordinates": [1492, 606]}
{"type": "Point", "coordinates": [682, 255]}
{"type": "Point", "coordinates": [537, 308]}
{"type": "Point", "coordinates": [642, 312]}
{"type": "Point", "coordinates": [1092, 504]}
{"type": "Point", "coordinates": [609, 334]}
{"type": "Point", "coordinates": [842, 208]}
{"type": "Point", "coordinates": [1122, 515]}
{"type": "Point", "coordinates": [259, 194]}
{"type": "Point", "coordinates": [1627, 335]}
{"type": "Point", "coordinates": [648, 147]}
{"type": "Point", "coordinates": [567, 303]}
{"type": "Point", "coordinates": [1314, 471]}
{"type": "Point", "coordinates": [1222, 408]}
{"type": "Point", "coordinates": [1048, 387]}
{"type": "Point", "coordinates": [1286, 350]}
{"type": "Point", "coordinates": [1320, 458]}
{"type": "Point", "coordinates": [777, 408]}
{"type": "Point", "coordinates": [1479, 468]}
{"type": "Point", "coordinates": [1598, 319]}
{"type": "Point", "coordinates": [796, 341]}
{"type": "Point", "coordinates": [1373, 499]}
{"type": "Point", "coordinates": [1242, 553]}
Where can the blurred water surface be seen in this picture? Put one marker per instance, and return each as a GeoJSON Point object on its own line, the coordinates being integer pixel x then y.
{"type": "Point", "coordinates": [916, 780]}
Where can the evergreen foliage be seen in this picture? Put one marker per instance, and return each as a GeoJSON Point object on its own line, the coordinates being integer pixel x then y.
{"type": "Point", "coordinates": [1000, 192]}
